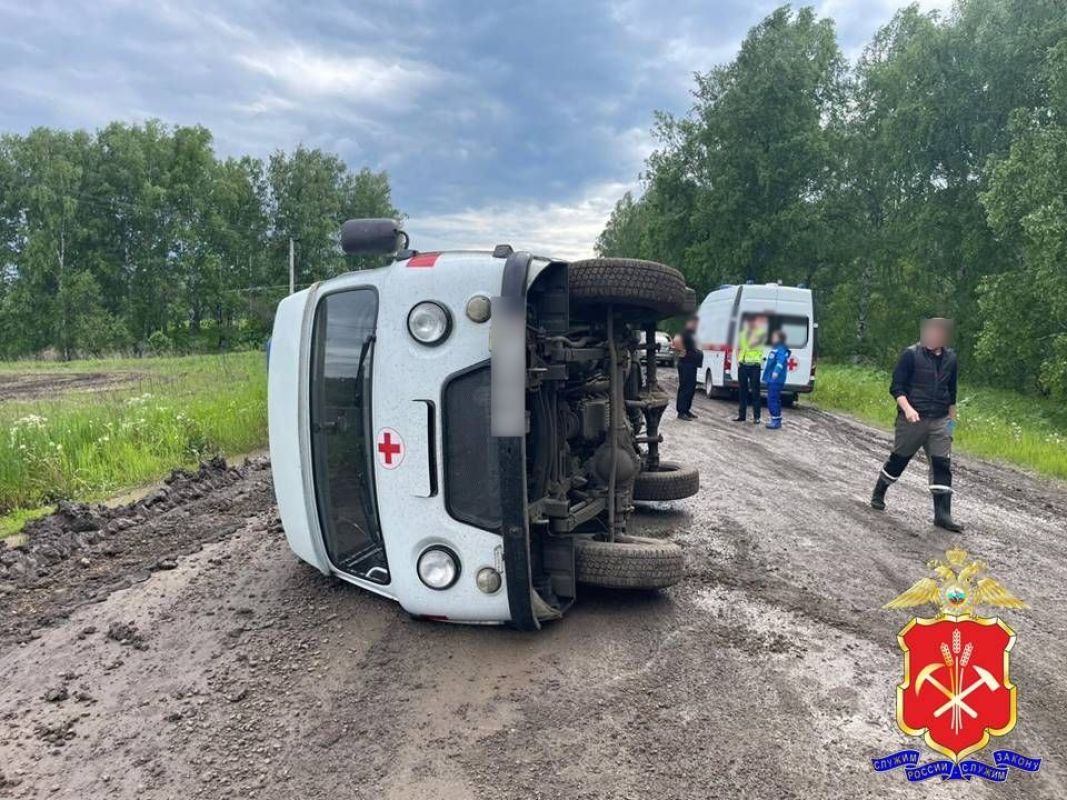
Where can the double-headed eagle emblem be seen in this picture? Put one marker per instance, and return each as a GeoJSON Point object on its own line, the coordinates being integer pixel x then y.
{"type": "Point", "coordinates": [960, 586]}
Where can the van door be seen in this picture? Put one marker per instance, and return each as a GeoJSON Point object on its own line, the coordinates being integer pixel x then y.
{"type": "Point", "coordinates": [798, 329]}
{"type": "Point", "coordinates": [288, 383]}
{"type": "Point", "coordinates": [757, 303]}
{"type": "Point", "coordinates": [342, 438]}
{"type": "Point", "coordinates": [793, 317]}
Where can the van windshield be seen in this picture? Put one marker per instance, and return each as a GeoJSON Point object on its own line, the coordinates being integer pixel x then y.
{"type": "Point", "coordinates": [343, 466]}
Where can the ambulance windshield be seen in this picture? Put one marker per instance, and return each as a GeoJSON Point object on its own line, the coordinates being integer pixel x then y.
{"type": "Point", "coordinates": [341, 433]}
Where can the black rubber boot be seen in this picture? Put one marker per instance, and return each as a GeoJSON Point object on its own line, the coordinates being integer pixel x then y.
{"type": "Point", "coordinates": [878, 496]}
{"type": "Point", "coordinates": [943, 512]}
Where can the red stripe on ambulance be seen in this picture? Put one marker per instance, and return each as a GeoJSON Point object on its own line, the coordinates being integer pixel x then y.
{"type": "Point", "coordinates": [425, 260]}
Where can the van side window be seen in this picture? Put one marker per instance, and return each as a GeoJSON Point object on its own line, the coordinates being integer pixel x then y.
{"type": "Point", "coordinates": [795, 330]}
{"type": "Point", "coordinates": [795, 327]}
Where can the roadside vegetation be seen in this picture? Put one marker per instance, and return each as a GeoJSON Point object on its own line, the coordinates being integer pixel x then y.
{"type": "Point", "coordinates": [925, 177]}
{"type": "Point", "coordinates": [140, 419]}
{"type": "Point", "coordinates": [996, 424]}
{"type": "Point", "coordinates": [140, 239]}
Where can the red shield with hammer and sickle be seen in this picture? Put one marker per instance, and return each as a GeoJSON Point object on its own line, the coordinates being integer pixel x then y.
{"type": "Point", "coordinates": [956, 691]}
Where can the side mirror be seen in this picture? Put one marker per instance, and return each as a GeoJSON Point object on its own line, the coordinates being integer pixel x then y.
{"type": "Point", "coordinates": [372, 237]}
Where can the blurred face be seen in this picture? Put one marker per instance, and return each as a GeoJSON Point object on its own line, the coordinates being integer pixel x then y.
{"type": "Point", "coordinates": [691, 325]}
{"type": "Point", "coordinates": [935, 334]}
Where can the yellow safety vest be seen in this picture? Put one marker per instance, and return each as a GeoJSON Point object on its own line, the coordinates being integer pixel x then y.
{"type": "Point", "coordinates": [747, 352]}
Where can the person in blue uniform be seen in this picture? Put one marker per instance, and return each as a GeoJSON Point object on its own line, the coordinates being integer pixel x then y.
{"type": "Point", "coordinates": [774, 375]}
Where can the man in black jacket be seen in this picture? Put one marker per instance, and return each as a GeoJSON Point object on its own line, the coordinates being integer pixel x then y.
{"type": "Point", "coordinates": [689, 360]}
{"type": "Point", "coordinates": [924, 386]}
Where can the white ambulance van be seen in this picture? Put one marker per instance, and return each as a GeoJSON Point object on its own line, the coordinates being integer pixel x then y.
{"type": "Point", "coordinates": [728, 308]}
{"type": "Point", "coordinates": [467, 432]}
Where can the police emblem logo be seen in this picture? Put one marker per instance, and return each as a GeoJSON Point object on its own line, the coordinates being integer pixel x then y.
{"type": "Point", "coordinates": [957, 691]}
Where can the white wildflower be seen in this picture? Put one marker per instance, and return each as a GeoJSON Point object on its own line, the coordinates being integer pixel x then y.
{"type": "Point", "coordinates": [30, 421]}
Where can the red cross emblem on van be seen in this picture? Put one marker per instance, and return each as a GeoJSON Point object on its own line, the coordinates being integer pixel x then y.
{"type": "Point", "coordinates": [956, 692]}
{"type": "Point", "coordinates": [390, 448]}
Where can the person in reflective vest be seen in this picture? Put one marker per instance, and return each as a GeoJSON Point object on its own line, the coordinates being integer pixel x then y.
{"type": "Point", "coordinates": [751, 340]}
{"type": "Point", "coordinates": [775, 372]}
{"type": "Point", "coordinates": [924, 386]}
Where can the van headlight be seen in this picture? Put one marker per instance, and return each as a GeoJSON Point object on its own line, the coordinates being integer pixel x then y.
{"type": "Point", "coordinates": [429, 323]}
{"type": "Point", "coordinates": [438, 567]}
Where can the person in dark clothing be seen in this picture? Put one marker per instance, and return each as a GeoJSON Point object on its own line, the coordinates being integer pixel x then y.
{"type": "Point", "coordinates": [689, 360]}
{"type": "Point", "coordinates": [924, 386]}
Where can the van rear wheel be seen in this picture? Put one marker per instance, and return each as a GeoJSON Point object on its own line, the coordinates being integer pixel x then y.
{"type": "Point", "coordinates": [630, 562]}
{"type": "Point", "coordinates": [712, 391]}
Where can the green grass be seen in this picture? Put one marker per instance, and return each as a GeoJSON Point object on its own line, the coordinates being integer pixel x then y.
{"type": "Point", "coordinates": [13, 522]}
{"type": "Point", "coordinates": [158, 414]}
{"type": "Point", "coordinates": [163, 413]}
{"type": "Point", "coordinates": [993, 423]}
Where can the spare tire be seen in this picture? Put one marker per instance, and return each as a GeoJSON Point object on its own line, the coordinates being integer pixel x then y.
{"type": "Point", "coordinates": [670, 482]}
{"type": "Point", "coordinates": [630, 562]}
{"type": "Point", "coordinates": [654, 290]}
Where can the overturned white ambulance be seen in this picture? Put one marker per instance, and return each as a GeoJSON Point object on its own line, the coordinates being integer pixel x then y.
{"type": "Point", "coordinates": [467, 432]}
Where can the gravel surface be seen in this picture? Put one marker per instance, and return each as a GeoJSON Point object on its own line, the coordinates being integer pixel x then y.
{"type": "Point", "coordinates": [199, 658]}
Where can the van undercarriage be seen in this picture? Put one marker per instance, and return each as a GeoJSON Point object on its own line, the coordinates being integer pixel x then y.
{"type": "Point", "coordinates": [592, 445]}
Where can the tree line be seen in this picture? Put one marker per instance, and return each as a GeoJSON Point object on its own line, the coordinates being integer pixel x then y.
{"type": "Point", "coordinates": [139, 238]}
{"type": "Point", "coordinates": [929, 177]}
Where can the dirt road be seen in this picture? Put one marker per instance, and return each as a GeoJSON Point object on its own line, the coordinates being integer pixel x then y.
{"type": "Point", "coordinates": [235, 671]}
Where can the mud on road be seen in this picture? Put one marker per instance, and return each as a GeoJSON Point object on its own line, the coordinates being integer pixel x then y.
{"type": "Point", "coordinates": [189, 654]}
{"type": "Point", "coordinates": [35, 385]}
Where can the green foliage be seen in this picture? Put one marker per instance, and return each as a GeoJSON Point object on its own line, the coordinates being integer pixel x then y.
{"type": "Point", "coordinates": [1025, 307]}
{"type": "Point", "coordinates": [159, 344]}
{"type": "Point", "coordinates": [993, 423]}
{"type": "Point", "coordinates": [156, 415]}
{"type": "Point", "coordinates": [109, 238]}
{"type": "Point", "coordinates": [730, 194]}
{"type": "Point", "coordinates": [926, 179]}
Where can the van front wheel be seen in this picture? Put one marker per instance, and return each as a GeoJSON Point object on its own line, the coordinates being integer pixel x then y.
{"type": "Point", "coordinates": [630, 562]}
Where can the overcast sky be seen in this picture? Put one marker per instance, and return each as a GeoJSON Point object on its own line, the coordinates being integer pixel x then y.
{"type": "Point", "coordinates": [497, 121]}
